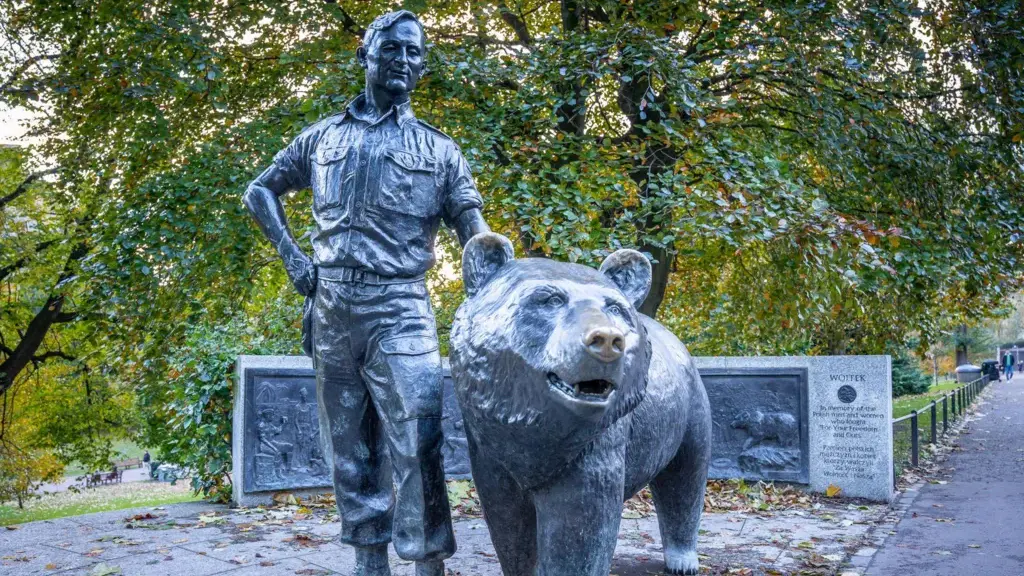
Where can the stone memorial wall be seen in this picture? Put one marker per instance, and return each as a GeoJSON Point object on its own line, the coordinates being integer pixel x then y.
{"type": "Point", "coordinates": [276, 431]}
{"type": "Point", "coordinates": [848, 419]}
{"type": "Point", "coordinates": [818, 420]}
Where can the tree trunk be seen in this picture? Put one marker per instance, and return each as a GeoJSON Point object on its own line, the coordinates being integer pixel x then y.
{"type": "Point", "coordinates": [961, 345]}
{"type": "Point", "coordinates": [51, 313]}
{"type": "Point", "coordinates": [660, 269]}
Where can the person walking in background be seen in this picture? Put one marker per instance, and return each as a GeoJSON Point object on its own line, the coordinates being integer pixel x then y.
{"type": "Point", "coordinates": [145, 460]}
{"type": "Point", "coordinates": [1008, 365]}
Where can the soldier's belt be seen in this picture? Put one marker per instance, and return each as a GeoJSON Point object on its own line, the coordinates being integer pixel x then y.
{"type": "Point", "coordinates": [343, 274]}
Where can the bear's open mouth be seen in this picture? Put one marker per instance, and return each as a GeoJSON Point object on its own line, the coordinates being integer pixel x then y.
{"type": "Point", "coordinates": [588, 390]}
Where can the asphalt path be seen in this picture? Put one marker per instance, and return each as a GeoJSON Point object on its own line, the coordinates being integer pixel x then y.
{"type": "Point", "coordinates": [973, 523]}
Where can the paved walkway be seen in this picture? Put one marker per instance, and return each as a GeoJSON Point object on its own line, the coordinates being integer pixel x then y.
{"type": "Point", "coordinates": [972, 521]}
{"type": "Point", "coordinates": [198, 539]}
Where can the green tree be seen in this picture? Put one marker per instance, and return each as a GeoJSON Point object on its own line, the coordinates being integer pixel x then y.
{"type": "Point", "coordinates": [809, 177]}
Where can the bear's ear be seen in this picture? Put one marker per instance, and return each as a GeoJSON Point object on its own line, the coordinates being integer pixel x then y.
{"type": "Point", "coordinates": [631, 272]}
{"type": "Point", "coordinates": [483, 255]}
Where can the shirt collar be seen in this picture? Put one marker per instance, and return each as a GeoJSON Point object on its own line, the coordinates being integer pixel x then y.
{"type": "Point", "coordinates": [402, 112]}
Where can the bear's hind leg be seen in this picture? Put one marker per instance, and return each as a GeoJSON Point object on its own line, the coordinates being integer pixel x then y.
{"type": "Point", "coordinates": [678, 492]}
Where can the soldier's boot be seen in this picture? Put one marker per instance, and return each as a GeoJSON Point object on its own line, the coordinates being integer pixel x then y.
{"type": "Point", "coordinates": [430, 568]}
{"type": "Point", "coordinates": [372, 561]}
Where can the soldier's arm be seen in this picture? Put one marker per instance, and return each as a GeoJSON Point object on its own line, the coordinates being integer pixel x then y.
{"type": "Point", "coordinates": [263, 199]}
{"type": "Point", "coordinates": [462, 200]}
{"type": "Point", "coordinates": [289, 171]}
{"type": "Point", "coordinates": [470, 223]}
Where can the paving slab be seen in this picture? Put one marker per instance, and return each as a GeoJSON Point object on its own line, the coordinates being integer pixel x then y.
{"type": "Point", "coordinates": [199, 539]}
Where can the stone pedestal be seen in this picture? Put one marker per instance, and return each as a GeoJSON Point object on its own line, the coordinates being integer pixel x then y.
{"type": "Point", "coordinates": [849, 418]}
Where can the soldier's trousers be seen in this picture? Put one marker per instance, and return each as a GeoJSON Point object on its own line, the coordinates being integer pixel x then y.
{"type": "Point", "coordinates": [379, 392]}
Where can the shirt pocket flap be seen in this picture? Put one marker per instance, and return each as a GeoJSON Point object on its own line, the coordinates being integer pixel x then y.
{"type": "Point", "coordinates": [409, 344]}
{"type": "Point", "coordinates": [411, 161]}
{"type": "Point", "coordinates": [329, 155]}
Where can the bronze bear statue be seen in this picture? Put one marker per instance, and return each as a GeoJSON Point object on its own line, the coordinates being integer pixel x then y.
{"type": "Point", "coordinates": [573, 402]}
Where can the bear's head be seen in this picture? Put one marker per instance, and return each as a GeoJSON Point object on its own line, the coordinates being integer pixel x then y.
{"type": "Point", "coordinates": [551, 343]}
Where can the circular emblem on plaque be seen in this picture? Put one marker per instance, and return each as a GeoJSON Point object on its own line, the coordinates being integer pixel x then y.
{"type": "Point", "coordinates": [847, 394]}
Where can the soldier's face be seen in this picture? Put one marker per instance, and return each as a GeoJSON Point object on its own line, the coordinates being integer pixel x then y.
{"type": "Point", "coordinates": [395, 60]}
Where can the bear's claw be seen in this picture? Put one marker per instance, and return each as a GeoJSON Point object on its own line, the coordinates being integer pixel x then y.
{"type": "Point", "coordinates": [682, 562]}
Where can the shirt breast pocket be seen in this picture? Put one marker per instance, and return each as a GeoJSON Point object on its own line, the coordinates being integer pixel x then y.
{"type": "Point", "coordinates": [328, 176]}
{"type": "Point", "coordinates": [409, 184]}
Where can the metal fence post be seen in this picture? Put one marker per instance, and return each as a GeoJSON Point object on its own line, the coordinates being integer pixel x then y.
{"type": "Point", "coordinates": [914, 441]}
{"type": "Point", "coordinates": [952, 399]}
{"type": "Point", "coordinates": [934, 415]}
{"type": "Point", "coordinates": [945, 414]}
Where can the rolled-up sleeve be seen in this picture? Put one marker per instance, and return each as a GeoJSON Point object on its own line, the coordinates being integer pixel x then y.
{"type": "Point", "coordinates": [460, 190]}
{"type": "Point", "coordinates": [294, 160]}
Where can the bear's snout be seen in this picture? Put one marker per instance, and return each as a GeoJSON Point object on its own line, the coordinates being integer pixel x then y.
{"type": "Point", "coordinates": [606, 343]}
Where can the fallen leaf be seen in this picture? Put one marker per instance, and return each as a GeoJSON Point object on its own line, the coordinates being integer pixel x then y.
{"type": "Point", "coordinates": [137, 517]}
{"type": "Point", "coordinates": [286, 498]}
{"type": "Point", "coordinates": [832, 491]}
{"type": "Point", "coordinates": [102, 569]}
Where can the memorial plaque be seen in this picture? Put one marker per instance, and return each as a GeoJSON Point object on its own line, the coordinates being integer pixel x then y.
{"type": "Point", "coordinates": [276, 432]}
{"type": "Point", "coordinates": [847, 423]}
{"type": "Point", "coordinates": [759, 423]}
{"type": "Point", "coordinates": [851, 426]}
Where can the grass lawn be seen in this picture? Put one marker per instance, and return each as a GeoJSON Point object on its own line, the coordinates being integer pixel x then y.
{"type": "Point", "coordinates": [98, 499]}
{"type": "Point", "coordinates": [905, 404]}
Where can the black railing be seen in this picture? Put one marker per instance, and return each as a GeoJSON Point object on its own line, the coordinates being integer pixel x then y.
{"type": "Point", "coordinates": [906, 430]}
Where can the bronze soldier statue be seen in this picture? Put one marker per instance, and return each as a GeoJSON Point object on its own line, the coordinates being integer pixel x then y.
{"type": "Point", "coordinates": [382, 182]}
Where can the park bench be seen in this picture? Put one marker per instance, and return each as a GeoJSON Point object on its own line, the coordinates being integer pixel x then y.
{"type": "Point", "coordinates": [129, 463]}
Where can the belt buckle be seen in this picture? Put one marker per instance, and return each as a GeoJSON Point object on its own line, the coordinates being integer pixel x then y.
{"type": "Point", "coordinates": [359, 276]}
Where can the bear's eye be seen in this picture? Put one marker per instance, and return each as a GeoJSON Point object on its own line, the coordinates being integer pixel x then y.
{"type": "Point", "coordinates": [615, 309]}
{"type": "Point", "coordinates": [553, 299]}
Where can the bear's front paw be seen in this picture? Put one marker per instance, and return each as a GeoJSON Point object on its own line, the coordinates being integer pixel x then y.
{"type": "Point", "coordinates": [681, 562]}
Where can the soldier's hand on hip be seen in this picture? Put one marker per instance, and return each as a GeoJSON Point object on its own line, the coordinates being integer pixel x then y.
{"type": "Point", "coordinates": [302, 273]}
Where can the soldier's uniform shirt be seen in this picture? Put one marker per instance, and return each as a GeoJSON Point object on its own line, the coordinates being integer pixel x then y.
{"type": "Point", "coordinates": [380, 188]}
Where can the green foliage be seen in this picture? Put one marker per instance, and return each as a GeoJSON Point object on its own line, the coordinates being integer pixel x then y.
{"type": "Point", "coordinates": [189, 407]}
{"type": "Point", "coordinates": [22, 472]}
{"type": "Point", "coordinates": [907, 377]}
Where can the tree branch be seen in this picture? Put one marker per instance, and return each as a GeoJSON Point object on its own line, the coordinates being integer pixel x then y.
{"type": "Point", "coordinates": [516, 22]}
{"type": "Point", "coordinates": [52, 354]}
{"type": "Point", "coordinates": [6, 271]}
{"type": "Point", "coordinates": [6, 86]}
{"type": "Point", "coordinates": [23, 187]}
